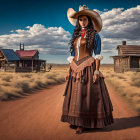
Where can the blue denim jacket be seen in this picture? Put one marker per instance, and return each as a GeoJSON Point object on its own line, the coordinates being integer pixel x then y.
{"type": "Point", "coordinates": [97, 45]}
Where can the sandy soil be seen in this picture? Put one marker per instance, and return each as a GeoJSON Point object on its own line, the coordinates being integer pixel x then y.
{"type": "Point", "coordinates": [37, 117]}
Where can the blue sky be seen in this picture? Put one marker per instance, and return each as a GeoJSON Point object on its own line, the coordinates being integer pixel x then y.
{"type": "Point", "coordinates": [43, 25]}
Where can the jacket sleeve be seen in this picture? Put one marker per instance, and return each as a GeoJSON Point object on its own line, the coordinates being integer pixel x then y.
{"type": "Point", "coordinates": [73, 52]}
{"type": "Point", "coordinates": [72, 56]}
{"type": "Point", "coordinates": [97, 47]}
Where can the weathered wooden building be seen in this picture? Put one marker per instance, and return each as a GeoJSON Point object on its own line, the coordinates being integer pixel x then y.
{"type": "Point", "coordinates": [8, 60]}
{"type": "Point", "coordinates": [128, 58]}
{"type": "Point", "coordinates": [21, 60]}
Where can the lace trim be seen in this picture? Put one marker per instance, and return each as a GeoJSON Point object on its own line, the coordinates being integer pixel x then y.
{"type": "Point", "coordinates": [98, 56]}
{"type": "Point", "coordinates": [70, 58]}
{"type": "Point", "coordinates": [78, 71]}
{"type": "Point", "coordinates": [84, 64]}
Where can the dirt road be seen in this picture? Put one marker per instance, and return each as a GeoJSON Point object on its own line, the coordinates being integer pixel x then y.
{"type": "Point", "coordinates": [37, 117]}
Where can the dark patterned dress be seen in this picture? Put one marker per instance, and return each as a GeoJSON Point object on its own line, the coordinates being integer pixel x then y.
{"type": "Point", "coordinates": [86, 103]}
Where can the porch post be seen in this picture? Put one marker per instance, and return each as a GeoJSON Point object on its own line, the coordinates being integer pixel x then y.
{"type": "Point", "coordinates": [4, 66]}
{"type": "Point", "coordinates": [45, 66]}
{"type": "Point", "coordinates": [15, 65]}
{"type": "Point", "coordinates": [129, 62]}
{"type": "Point", "coordinates": [32, 65]}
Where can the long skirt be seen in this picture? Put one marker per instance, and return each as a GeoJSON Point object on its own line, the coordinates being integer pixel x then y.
{"type": "Point", "coordinates": [86, 103]}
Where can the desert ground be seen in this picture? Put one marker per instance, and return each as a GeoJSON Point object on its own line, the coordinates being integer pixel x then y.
{"type": "Point", "coordinates": [32, 111]}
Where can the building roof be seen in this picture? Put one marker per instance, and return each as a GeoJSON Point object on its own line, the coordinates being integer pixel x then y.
{"type": "Point", "coordinates": [26, 53]}
{"type": "Point", "coordinates": [10, 54]}
{"type": "Point", "coordinates": [129, 49]}
{"type": "Point", "coordinates": [125, 55]}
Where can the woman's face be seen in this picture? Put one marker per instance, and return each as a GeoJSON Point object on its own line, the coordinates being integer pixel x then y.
{"type": "Point", "coordinates": [83, 21]}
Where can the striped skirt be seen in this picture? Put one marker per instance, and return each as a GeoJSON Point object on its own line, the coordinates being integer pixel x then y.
{"type": "Point", "coordinates": [86, 103]}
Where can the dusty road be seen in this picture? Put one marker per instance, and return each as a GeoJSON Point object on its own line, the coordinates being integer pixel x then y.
{"type": "Point", "coordinates": [37, 117]}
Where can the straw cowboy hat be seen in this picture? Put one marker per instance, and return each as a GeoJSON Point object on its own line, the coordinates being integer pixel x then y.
{"type": "Point", "coordinates": [83, 10]}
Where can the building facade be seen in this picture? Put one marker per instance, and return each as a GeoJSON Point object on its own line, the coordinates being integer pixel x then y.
{"type": "Point", "coordinates": [128, 58]}
{"type": "Point", "coordinates": [21, 60]}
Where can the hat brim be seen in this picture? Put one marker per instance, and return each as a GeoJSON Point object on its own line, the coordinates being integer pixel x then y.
{"type": "Point", "coordinates": [95, 17]}
{"type": "Point", "coordinates": [70, 12]}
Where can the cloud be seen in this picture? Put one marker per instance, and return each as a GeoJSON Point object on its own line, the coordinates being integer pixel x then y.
{"type": "Point", "coordinates": [52, 40]}
{"type": "Point", "coordinates": [119, 25]}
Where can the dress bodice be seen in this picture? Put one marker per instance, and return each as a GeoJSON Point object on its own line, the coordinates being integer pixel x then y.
{"type": "Point", "coordinates": [80, 48]}
{"type": "Point", "coordinates": [83, 51]}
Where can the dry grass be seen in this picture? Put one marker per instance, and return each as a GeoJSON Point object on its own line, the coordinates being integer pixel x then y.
{"type": "Point", "coordinates": [135, 79]}
{"type": "Point", "coordinates": [14, 85]}
{"type": "Point", "coordinates": [18, 84]}
{"type": "Point", "coordinates": [126, 84]}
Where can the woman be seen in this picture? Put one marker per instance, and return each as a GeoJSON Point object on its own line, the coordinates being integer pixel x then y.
{"type": "Point", "coordinates": [87, 103]}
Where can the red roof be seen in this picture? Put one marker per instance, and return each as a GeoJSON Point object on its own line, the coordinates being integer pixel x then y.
{"type": "Point", "coordinates": [26, 53]}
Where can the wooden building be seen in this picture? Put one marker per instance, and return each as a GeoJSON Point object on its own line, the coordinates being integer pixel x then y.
{"type": "Point", "coordinates": [8, 60]}
{"type": "Point", "coordinates": [128, 58]}
{"type": "Point", "coordinates": [21, 60]}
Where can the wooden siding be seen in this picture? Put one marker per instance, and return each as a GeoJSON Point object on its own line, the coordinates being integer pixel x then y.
{"type": "Point", "coordinates": [120, 64]}
{"type": "Point", "coordinates": [128, 58]}
{"type": "Point", "coordinates": [27, 65]}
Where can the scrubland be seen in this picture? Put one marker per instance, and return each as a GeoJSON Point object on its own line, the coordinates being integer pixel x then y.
{"type": "Point", "coordinates": [126, 84]}
{"type": "Point", "coordinates": [13, 85]}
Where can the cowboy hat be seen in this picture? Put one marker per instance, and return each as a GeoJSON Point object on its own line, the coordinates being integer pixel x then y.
{"type": "Point", "coordinates": [83, 10]}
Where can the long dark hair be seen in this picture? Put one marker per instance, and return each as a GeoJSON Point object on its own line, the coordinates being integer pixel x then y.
{"type": "Point", "coordinates": [89, 36]}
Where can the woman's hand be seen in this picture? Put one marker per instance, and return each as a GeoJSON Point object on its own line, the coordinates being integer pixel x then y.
{"type": "Point", "coordinates": [95, 78]}
{"type": "Point", "coordinates": [66, 78]}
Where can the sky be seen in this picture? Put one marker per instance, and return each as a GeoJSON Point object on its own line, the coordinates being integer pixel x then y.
{"type": "Point", "coordinates": [43, 25]}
